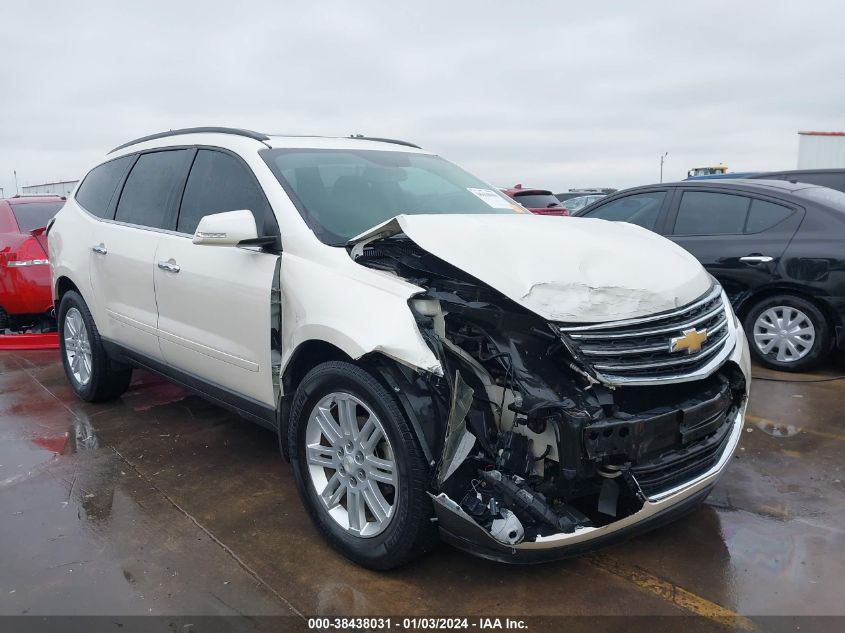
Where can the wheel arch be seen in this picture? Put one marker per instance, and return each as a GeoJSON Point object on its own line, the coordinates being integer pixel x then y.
{"type": "Point", "coordinates": [410, 387]}
{"type": "Point", "coordinates": [771, 291]}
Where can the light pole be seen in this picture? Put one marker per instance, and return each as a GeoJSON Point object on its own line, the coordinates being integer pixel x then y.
{"type": "Point", "coordinates": [662, 160]}
{"type": "Point", "coordinates": [17, 191]}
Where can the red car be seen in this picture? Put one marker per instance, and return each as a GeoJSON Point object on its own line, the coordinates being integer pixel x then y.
{"type": "Point", "coordinates": [539, 201]}
{"type": "Point", "coordinates": [25, 297]}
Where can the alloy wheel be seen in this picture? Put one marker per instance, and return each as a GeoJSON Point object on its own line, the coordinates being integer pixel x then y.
{"type": "Point", "coordinates": [351, 464]}
{"type": "Point", "coordinates": [77, 347]}
{"type": "Point", "coordinates": [785, 331]}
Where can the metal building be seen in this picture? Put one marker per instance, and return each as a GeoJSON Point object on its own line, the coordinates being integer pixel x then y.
{"type": "Point", "coordinates": [62, 188]}
{"type": "Point", "coordinates": [821, 150]}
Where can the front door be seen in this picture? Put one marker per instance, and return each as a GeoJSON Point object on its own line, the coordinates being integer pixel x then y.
{"type": "Point", "coordinates": [214, 302]}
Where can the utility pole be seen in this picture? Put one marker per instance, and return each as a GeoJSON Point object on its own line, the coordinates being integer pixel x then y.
{"type": "Point", "coordinates": [662, 160]}
{"type": "Point", "coordinates": [17, 191]}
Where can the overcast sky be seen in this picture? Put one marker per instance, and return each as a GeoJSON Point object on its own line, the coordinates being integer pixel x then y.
{"type": "Point", "coordinates": [551, 94]}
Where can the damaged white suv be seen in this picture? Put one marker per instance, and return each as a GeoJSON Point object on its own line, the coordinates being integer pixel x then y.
{"type": "Point", "coordinates": [434, 358]}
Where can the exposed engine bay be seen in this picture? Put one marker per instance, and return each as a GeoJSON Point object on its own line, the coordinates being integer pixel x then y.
{"type": "Point", "coordinates": [532, 441]}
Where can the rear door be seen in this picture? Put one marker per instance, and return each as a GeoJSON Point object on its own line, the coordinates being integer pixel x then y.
{"type": "Point", "coordinates": [123, 249]}
{"type": "Point", "coordinates": [738, 237]}
{"type": "Point", "coordinates": [214, 302]}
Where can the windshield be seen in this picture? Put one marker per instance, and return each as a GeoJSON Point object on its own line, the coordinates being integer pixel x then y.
{"type": "Point", "coordinates": [829, 197]}
{"type": "Point", "coordinates": [35, 215]}
{"type": "Point", "coordinates": [537, 200]}
{"type": "Point", "coordinates": [343, 192]}
{"type": "Point", "coordinates": [576, 204]}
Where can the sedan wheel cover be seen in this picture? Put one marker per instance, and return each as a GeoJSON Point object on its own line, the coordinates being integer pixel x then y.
{"type": "Point", "coordinates": [785, 333]}
{"type": "Point", "coordinates": [351, 464]}
{"type": "Point", "coordinates": [77, 347]}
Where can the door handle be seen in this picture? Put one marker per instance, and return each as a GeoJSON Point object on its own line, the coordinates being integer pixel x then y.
{"type": "Point", "coordinates": [756, 259]}
{"type": "Point", "coordinates": [169, 265]}
{"type": "Point", "coordinates": [100, 249]}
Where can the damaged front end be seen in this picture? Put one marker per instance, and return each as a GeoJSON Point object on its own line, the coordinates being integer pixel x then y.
{"type": "Point", "coordinates": [538, 452]}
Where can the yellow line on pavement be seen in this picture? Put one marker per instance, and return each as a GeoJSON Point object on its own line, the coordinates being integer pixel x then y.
{"type": "Point", "coordinates": [803, 429]}
{"type": "Point", "coordinates": [680, 597]}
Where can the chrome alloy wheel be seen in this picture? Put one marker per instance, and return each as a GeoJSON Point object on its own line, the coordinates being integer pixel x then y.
{"type": "Point", "coordinates": [785, 330]}
{"type": "Point", "coordinates": [77, 347]}
{"type": "Point", "coordinates": [351, 464]}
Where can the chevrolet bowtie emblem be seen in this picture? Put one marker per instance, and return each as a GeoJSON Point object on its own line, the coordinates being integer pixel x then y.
{"type": "Point", "coordinates": [692, 340]}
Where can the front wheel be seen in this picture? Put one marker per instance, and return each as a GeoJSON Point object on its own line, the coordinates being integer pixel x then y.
{"type": "Point", "coordinates": [92, 374]}
{"type": "Point", "coordinates": [358, 467]}
{"type": "Point", "coordinates": [788, 333]}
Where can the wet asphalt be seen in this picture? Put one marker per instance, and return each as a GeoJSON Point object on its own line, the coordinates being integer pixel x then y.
{"type": "Point", "coordinates": [162, 503]}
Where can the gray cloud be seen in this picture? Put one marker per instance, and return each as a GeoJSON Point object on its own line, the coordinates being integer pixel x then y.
{"type": "Point", "coordinates": [550, 94]}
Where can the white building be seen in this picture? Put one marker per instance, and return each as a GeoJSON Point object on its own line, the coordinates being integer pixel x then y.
{"type": "Point", "coordinates": [62, 188]}
{"type": "Point", "coordinates": [820, 150]}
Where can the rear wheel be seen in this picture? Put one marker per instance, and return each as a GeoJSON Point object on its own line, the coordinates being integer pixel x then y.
{"type": "Point", "coordinates": [92, 374]}
{"type": "Point", "coordinates": [358, 467]}
{"type": "Point", "coordinates": [788, 333]}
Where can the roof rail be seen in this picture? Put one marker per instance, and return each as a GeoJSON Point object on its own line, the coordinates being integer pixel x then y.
{"type": "Point", "coordinates": [384, 140]}
{"type": "Point", "coordinates": [258, 136]}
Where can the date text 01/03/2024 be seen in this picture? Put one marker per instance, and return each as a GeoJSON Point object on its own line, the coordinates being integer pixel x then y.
{"type": "Point", "coordinates": [417, 623]}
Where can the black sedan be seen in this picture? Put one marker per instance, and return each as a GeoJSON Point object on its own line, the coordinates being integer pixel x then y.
{"type": "Point", "coordinates": [777, 248]}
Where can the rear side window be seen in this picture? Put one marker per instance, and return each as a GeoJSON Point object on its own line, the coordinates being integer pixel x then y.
{"type": "Point", "coordinates": [35, 215]}
{"type": "Point", "coordinates": [97, 190]}
{"type": "Point", "coordinates": [151, 192]}
{"type": "Point", "coordinates": [764, 215]}
{"type": "Point", "coordinates": [705, 213]}
{"type": "Point", "coordinates": [219, 182]}
{"type": "Point", "coordinates": [641, 209]}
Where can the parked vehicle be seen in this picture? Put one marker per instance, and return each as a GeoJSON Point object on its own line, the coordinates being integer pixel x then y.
{"type": "Point", "coordinates": [712, 170]}
{"type": "Point", "coordinates": [538, 201]}
{"type": "Point", "coordinates": [577, 193]}
{"type": "Point", "coordinates": [576, 204]}
{"type": "Point", "coordinates": [25, 297]}
{"type": "Point", "coordinates": [775, 247]}
{"type": "Point", "coordinates": [424, 350]}
{"type": "Point", "coordinates": [832, 178]}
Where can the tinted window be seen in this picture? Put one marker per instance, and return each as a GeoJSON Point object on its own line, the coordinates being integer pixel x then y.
{"type": "Point", "coordinates": [764, 215]}
{"type": "Point", "coordinates": [219, 182]}
{"type": "Point", "coordinates": [641, 209]}
{"type": "Point", "coordinates": [97, 190]}
{"type": "Point", "coordinates": [704, 213]}
{"type": "Point", "coordinates": [35, 215]}
{"type": "Point", "coordinates": [152, 189]}
{"type": "Point", "coordinates": [537, 200]}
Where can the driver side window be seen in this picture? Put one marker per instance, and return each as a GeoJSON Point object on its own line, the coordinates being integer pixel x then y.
{"type": "Point", "coordinates": [641, 209]}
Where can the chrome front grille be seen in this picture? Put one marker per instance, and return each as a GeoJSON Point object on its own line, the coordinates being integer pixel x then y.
{"type": "Point", "coordinates": [660, 347]}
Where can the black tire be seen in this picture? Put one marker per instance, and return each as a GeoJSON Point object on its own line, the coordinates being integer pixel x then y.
{"type": "Point", "coordinates": [820, 349]}
{"type": "Point", "coordinates": [108, 379]}
{"type": "Point", "coordinates": [410, 532]}
{"type": "Point", "coordinates": [4, 320]}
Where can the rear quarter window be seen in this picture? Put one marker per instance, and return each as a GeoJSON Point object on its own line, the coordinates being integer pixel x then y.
{"type": "Point", "coordinates": [764, 215]}
{"type": "Point", "coordinates": [96, 192]}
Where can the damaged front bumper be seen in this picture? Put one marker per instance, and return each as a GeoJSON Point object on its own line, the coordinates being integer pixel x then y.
{"type": "Point", "coordinates": [459, 529]}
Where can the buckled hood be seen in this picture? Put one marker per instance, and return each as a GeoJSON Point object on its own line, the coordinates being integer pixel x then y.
{"type": "Point", "coordinates": [575, 270]}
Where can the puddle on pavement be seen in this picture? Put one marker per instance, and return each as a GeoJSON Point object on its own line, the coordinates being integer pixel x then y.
{"type": "Point", "coordinates": [778, 430]}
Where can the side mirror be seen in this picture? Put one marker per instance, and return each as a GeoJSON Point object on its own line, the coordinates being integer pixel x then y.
{"type": "Point", "coordinates": [226, 229]}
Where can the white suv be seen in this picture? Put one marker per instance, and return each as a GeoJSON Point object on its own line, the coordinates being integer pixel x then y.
{"type": "Point", "coordinates": [433, 358]}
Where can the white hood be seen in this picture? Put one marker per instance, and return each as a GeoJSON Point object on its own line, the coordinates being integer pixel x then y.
{"type": "Point", "coordinates": [576, 270]}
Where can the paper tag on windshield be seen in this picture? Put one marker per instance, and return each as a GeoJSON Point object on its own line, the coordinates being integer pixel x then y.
{"type": "Point", "coordinates": [492, 198]}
